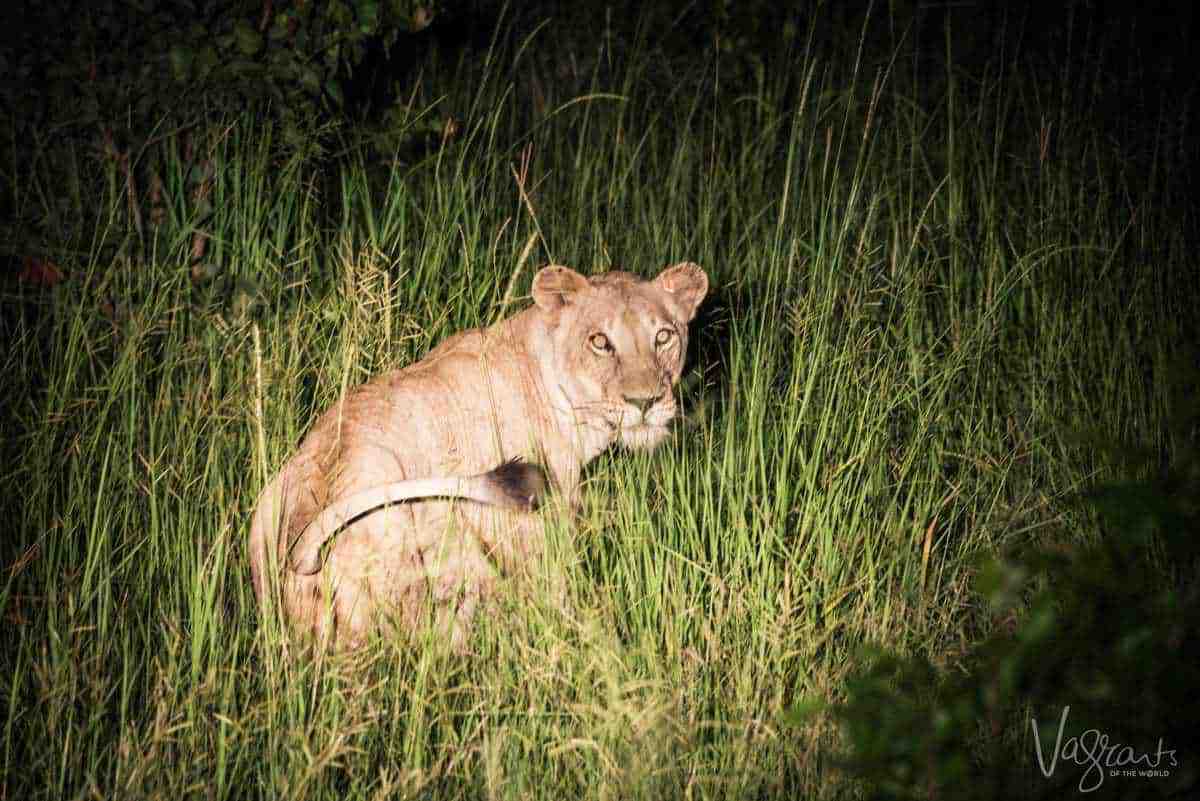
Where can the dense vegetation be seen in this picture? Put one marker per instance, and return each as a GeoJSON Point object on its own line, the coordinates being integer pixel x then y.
{"type": "Point", "coordinates": [937, 476]}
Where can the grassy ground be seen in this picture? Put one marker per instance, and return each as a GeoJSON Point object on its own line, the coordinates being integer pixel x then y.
{"type": "Point", "coordinates": [922, 291]}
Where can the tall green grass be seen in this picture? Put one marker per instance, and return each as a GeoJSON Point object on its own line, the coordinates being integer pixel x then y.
{"type": "Point", "coordinates": [920, 294]}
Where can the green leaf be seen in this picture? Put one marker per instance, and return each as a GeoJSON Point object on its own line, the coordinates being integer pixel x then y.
{"type": "Point", "coordinates": [181, 62]}
{"type": "Point", "coordinates": [244, 68]}
{"type": "Point", "coordinates": [309, 80]}
{"type": "Point", "coordinates": [368, 17]}
{"type": "Point", "coordinates": [1001, 583]}
{"type": "Point", "coordinates": [333, 90]}
{"type": "Point", "coordinates": [249, 41]}
{"type": "Point", "coordinates": [206, 61]}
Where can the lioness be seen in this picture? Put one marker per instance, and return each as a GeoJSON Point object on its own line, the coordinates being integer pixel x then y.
{"type": "Point", "coordinates": [591, 363]}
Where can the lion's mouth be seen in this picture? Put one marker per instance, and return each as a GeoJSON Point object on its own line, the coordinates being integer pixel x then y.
{"type": "Point", "coordinates": [642, 435]}
{"type": "Point", "coordinates": [640, 429]}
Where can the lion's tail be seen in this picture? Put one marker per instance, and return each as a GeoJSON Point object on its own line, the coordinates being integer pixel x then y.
{"type": "Point", "coordinates": [514, 484]}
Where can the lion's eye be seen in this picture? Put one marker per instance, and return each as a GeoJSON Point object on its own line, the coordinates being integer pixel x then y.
{"type": "Point", "coordinates": [663, 337]}
{"type": "Point", "coordinates": [600, 343]}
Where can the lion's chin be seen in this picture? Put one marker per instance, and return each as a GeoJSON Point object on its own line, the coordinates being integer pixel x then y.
{"type": "Point", "coordinates": [642, 436]}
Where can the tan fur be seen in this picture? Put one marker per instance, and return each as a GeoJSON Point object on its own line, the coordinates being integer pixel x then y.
{"type": "Point", "coordinates": [555, 385]}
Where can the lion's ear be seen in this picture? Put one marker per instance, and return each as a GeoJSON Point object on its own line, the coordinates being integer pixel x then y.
{"type": "Point", "coordinates": [554, 285]}
{"type": "Point", "coordinates": [687, 284]}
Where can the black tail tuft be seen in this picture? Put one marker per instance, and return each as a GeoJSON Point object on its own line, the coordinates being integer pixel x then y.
{"type": "Point", "coordinates": [522, 483]}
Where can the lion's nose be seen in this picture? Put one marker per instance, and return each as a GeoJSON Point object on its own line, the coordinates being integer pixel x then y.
{"type": "Point", "coordinates": [642, 404]}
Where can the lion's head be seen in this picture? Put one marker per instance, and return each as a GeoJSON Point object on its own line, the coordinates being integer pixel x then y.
{"type": "Point", "coordinates": [619, 344]}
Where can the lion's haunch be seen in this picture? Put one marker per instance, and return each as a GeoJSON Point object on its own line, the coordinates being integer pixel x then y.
{"type": "Point", "coordinates": [514, 484]}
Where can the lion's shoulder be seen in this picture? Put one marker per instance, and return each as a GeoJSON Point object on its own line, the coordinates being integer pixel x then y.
{"type": "Point", "coordinates": [506, 340]}
{"type": "Point", "coordinates": [470, 341]}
